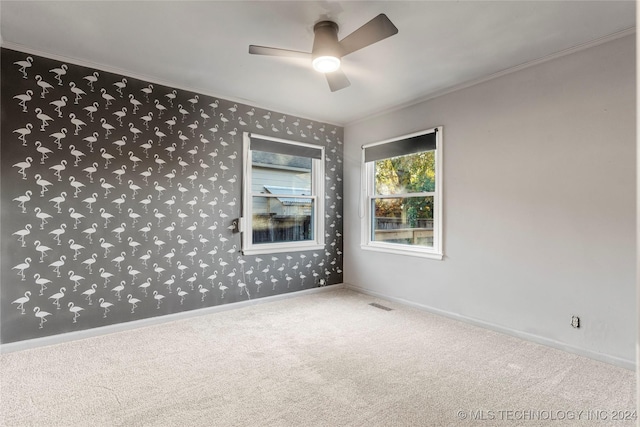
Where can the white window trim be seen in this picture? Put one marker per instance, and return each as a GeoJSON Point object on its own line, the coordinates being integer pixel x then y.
{"type": "Point", "coordinates": [368, 194]}
{"type": "Point", "coordinates": [317, 190]}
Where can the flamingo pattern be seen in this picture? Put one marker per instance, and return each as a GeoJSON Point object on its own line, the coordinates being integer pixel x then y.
{"type": "Point", "coordinates": [137, 219]}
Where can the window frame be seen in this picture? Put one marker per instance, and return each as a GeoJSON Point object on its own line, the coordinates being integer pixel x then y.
{"type": "Point", "coordinates": [369, 195]}
{"type": "Point", "coordinates": [317, 196]}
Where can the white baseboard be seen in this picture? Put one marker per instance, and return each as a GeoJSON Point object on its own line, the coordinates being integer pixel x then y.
{"type": "Point", "coordinates": [135, 324]}
{"type": "Point", "coordinates": [612, 360]}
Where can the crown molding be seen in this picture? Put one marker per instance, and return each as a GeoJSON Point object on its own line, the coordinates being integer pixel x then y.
{"type": "Point", "coordinates": [480, 80]}
{"type": "Point", "coordinates": [367, 116]}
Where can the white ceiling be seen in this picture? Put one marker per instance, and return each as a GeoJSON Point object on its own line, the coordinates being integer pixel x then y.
{"type": "Point", "coordinates": [203, 46]}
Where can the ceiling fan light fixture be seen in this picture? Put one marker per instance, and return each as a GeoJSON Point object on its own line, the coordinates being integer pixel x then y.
{"type": "Point", "coordinates": [326, 64]}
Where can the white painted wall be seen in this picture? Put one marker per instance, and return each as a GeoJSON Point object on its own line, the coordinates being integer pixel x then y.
{"type": "Point", "coordinates": [539, 204]}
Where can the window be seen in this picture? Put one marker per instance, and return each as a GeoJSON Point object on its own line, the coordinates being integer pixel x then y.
{"type": "Point", "coordinates": [283, 196]}
{"type": "Point", "coordinates": [402, 192]}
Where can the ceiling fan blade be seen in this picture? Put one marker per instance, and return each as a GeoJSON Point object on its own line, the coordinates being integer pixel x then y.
{"type": "Point", "coordinates": [274, 51]}
{"type": "Point", "coordinates": [337, 80]}
{"type": "Point", "coordinates": [379, 28]}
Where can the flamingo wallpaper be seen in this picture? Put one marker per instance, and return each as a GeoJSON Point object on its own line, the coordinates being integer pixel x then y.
{"type": "Point", "coordinates": [118, 195]}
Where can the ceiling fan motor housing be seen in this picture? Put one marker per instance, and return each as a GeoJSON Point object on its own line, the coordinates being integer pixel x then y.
{"type": "Point", "coordinates": [325, 42]}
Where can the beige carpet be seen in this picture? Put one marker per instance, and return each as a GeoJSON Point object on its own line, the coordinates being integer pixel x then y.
{"type": "Point", "coordinates": [325, 359]}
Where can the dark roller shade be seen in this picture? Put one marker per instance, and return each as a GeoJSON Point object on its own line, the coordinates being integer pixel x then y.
{"type": "Point", "coordinates": [401, 147]}
{"type": "Point", "coordinates": [259, 144]}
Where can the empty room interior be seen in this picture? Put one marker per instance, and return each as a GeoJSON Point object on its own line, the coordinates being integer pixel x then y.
{"type": "Point", "coordinates": [318, 213]}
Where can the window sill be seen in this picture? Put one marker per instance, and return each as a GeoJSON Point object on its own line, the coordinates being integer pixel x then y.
{"type": "Point", "coordinates": [281, 248]}
{"type": "Point", "coordinates": [404, 251]}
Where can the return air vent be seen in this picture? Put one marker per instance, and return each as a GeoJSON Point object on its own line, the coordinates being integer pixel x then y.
{"type": "Point", "coordinates": [381, 307]}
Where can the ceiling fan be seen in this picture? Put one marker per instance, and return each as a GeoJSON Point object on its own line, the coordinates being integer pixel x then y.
{"type": "Point", "coordinates": [327, 50]}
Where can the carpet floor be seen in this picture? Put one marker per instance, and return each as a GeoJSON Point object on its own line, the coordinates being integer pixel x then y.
{"type": "Point", "coordinates": [322, 359]}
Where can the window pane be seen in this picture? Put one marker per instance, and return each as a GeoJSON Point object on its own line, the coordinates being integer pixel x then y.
{"type": "Point", "coordinates": [273, 173]}
{"type": "Point", "coordinates": [407, 221]}
{"type": "Point", "coordinates": [413, 173]}
{"type": "Point", "coordinates": [282, 219]}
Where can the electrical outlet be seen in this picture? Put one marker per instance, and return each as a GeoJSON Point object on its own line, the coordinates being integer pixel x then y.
{"type": "Point", "coordinates": [575, 321]}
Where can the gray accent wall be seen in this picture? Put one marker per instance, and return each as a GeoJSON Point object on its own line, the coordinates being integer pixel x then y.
{"type": "Point", "coordinates": [539, 204]}
{"type": "Point", "coordinates": [118, 197]}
